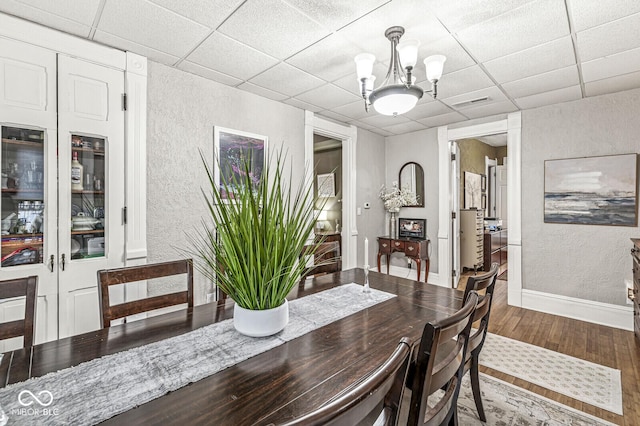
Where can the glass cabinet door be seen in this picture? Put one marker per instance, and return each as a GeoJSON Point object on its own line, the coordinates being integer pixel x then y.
{"type": "Point", "coordinates": [22, 206]}
{"type": "Point", "coordinates": [87, 197]}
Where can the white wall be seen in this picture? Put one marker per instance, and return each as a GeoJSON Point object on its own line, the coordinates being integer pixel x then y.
{"type": "Point", "coordinates": [582, 261]}
{"type": "Point", "coordinates": [422, 148]}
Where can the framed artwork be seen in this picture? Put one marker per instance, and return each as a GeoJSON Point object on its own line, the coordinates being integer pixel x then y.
{"type": "Point", "coordinates": [472, 190]}
{"type": "Point", "coordinates": [326, 185]}
{"type": "Point", "coordinates": [592, 190]}
{"type": "Point", "coordinates": [230, 147]}
{"type": "Point", "coordinates": [412, 228]}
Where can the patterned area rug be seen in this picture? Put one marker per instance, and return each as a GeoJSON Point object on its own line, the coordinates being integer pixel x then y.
{"type": "Point", "coordinates": [505, 404]}
{"type": "Point", "coordinates": [585, 381]}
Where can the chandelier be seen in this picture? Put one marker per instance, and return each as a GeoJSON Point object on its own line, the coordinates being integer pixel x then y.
{"type": "Point", "coordinates": [398, 93]}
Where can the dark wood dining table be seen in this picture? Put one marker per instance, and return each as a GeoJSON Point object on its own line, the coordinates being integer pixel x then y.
{"type": "Point", "coordinates": [271, 387]}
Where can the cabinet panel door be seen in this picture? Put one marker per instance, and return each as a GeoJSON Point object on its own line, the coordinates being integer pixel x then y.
{"type": "Point", "coordinates": [91, 187]}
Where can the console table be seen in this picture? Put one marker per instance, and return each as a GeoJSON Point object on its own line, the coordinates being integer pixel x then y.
{"type": "Point", "coordinates": [415, 249]}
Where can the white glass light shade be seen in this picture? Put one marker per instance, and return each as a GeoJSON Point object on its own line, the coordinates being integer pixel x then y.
{"type": "Point", "coordinates": [395, 104]}
{"type": "Point", "coordinates": [434, 65]}
{"type": "Point", "coordinates": [364, 65]}
{"type": "Point", "coordinates": [408, 52]}
{"type": "Point", "coordinates": [369, 83]}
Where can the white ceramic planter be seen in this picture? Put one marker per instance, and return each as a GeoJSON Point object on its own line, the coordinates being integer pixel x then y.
{"type": "Point", "coordinates": [260, 323]}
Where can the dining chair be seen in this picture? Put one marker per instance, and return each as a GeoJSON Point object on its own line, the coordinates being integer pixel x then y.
{"type": "Point", "coordinates": [27, 287]}
{"type": "Point", "coordinates": [111, 277]}
{"type": "Point", "coordinates": [326, 258]}
{"type": "Point", "coordinates": [374, 400]}
{"type": "Point", "coordinates": [484, 283]}
{"type": "Point", "coordinates": [440, 366]}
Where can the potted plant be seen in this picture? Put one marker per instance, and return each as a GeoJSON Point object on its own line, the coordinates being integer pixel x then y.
{"type": "Point", "coordinates": [252, 251]}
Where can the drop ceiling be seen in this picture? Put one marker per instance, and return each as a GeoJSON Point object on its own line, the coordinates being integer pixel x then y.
{"type": "Point", "coordinates": [518, 54]}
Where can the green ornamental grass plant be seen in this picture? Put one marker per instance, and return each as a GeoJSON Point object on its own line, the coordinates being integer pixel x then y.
{"type": "Point", "coordinates": [252, 252]}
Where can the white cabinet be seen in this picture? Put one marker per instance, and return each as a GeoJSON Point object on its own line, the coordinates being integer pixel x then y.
{"type": "Point", "coordinates": [54, 108]}
{"type": "Point", "coordinates": [471, 238]}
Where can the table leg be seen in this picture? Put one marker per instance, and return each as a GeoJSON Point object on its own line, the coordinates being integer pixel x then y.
{"type": "Point", "coordinates": [388, 260]}
{"type": "Point", "coordinates": [418, 267]}
{"type": "Point", "coordinates": [379, 254]}
{"type": "Point", "coordinates": [426, 270]}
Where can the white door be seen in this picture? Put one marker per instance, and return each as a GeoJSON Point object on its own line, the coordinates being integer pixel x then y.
{"type": "Point", "coordinates": [455, 213]}
{"type": "Point", "coordinates": [501, 193]}
{"type": "Point", "coordinates": [29, 181]}
{"type": "Point", "coordinates": [91, 216]}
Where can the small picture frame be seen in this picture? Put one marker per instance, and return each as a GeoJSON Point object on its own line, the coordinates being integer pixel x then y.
{"type": "Point", "coordinates": [326, 185]}
{"type": "Point", "coordinates": [412, 228]}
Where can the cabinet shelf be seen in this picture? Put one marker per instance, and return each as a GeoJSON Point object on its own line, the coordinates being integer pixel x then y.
{"type": "Point", "coordinates": [23, 143]}
{"type": "Point", "coordinates": [98, 152]}
{"type": "Point", "coordinates": [23, 236]}
{"type": "Point", "coordinates": [89, 231]}
{"type": "Point", "coordinates": [23, 191]}
{"type": "Point", "coordinates": [87, 191]}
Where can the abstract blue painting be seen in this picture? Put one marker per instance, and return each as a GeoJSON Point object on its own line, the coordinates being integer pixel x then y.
{"type": "Point", "coordinates": [592, 190]}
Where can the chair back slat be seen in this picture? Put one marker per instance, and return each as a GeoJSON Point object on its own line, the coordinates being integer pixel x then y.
{"type": "Point", "coordinates": [27, 287]}
{"type": "Point", "coordinates": [374, 400]}
{"type": "Point", "coordinates": [111, 277]}
{"type": "Point", "coordinates": [485, 282]}
{"type": "Point", "coordinates": [440, 364]}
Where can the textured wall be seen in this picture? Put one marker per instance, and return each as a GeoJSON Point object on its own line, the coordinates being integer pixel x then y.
{"type": "Point", "coordinates": [583, 261]}
{"type": "Point", "coordinates": [472, 153]}
{"type": "Point", "coordinates": [370, 176]}
{"type": "Point", "coordinates": [422, 148]}
{"type": "Point", "coordinates": [182, 110]}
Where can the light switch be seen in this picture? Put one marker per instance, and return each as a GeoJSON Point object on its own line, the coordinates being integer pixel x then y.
{"type": "Point", "coordinates": [358, 211]}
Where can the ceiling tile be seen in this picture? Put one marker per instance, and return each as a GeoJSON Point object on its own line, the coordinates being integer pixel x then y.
{"type": "Point", "coordinates": [350, 81]}
{"type": "Point", "coordinates": [443, 119]}
{"type": "Point", "coordinates": [368, 31]}
{"type": "Point", "coordinates": [608, 39]}
{"type": "Point", "coordinates": [536, 60]}
{"type": "Point", "coordinates": [83, 12]}
{"type": "Point", "coordinates": [613, 84]}
{"type": "Point", "coordinates": [459, 14]}
{"type": "Point", "coordinates": [286, 79]}
{"type": "Point", "coordinates": [228, 56]}
{"type": "Point", "coordinates": [336, 117]}
{"type": "Point", "coordinates": [354, 110]}
{"type": "Point", "coordinates": [330, 58]}
{"type": "Point", "coordinates": [527, 26]}
{"type": "Point", "coordinates": [210, 13]}
{"type": "Point", "coordinates": [273, 27]}
{"type": "Point", "coordinates": [493, 93]}
{"type": "Point", "coordinates": [411, 126]}
{"type": "Point", "coordinates": [545, 82]}
{"type": "Point", "coordinates": [302, 105]}
{"type": "Point", "coordinates": [590, 13]}
{"type": "Point", "coordinates": [610, 66]}
{"type": "Point", "coordinates": [380, 120]}
{"type": "Point", "coordinates": [209, 73]}
{"type": "Point", "coordinates": [489, 109]}
{"type": "Point", "coordinates": [119, 43]}
{"type": "Point", "coordinates": [463, 81]}
{"type": "Point", "coordinates": [427, 108]}
{"type": "Point", "coordinates": [149, 25]}
{"type": "Point", "coordinates": [45, 18]}
{"type": "Point", "coordinates": [335, 14]}
{"type": "Point", "coordinates": [362, 125]}
{"type": "Point", "coordinates": [547, 98]}
{"type": "Point", "coordinates": [328, 96]}
{"type": "Point", "coordinates": [457, 57]}
{"type": "Point", "coordinates": [261, 91]}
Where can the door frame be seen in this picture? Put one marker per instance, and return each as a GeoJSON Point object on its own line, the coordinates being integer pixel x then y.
{"type": "Point", "coordinates": [348, 136]}
{"type": "Point", "coordinates": [512, 127]}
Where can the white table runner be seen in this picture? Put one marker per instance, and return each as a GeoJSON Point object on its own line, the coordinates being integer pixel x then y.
{"type": "Point", "coordinates": [99, 389]}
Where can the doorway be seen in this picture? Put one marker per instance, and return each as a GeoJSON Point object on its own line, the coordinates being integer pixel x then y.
{"type": "Point", "coordinates": [327, 161]}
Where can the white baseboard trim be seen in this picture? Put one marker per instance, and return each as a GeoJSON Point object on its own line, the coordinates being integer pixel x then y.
{"type": "Point", "coordinates": [585, 310]}
{"type": "Point", "coordinates": [411, 274]}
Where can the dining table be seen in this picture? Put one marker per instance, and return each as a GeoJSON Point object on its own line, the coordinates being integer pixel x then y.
{"type": "Point", "coordinates": [272, 387]}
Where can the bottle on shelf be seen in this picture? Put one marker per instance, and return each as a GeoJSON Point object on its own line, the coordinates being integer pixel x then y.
{"type": "Point", "coordinates": [76, 173]}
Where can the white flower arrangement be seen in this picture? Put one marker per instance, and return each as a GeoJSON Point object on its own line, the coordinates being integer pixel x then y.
{"type": "Point", "coordinates": [397, 198]}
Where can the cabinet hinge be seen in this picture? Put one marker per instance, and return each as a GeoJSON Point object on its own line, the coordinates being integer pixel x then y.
{"type": "Point", "coordinates": [124, 215]}
{"type": "Point", "coordinates": [453, 157]}
{"type": "Point", "coordinates": [453, 215]}
{"type": "Point", "coordinates": [124, 101]}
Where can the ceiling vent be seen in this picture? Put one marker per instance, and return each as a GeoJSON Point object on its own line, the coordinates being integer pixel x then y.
{"type": "Point", "coordinates": [471, 102]}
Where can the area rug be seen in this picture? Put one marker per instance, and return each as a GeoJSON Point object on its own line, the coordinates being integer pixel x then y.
{"type": "Point", "coordinates": [505, 404]}
{"type": "Point", "coordinates": [104, 387]}
{"type": "Point", "coordinates": [585, 381]}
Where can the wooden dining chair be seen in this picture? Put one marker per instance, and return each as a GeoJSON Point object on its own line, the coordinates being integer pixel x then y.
{"type": "Point", "coordinates": [27, 287]}
{"type": "Point", "coordinates": [440, 366]}
{"type": "Point", "coordinates": [326, 258]}
{"type": "Point", "coordinates": [484, 283]}
{"type": "Point", "coordinates": [111, 277]}
{"type": "Point", "coordinates": [374, 400]}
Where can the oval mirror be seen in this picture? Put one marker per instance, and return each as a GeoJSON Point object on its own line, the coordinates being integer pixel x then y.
{"type": "Point", "coordinates": [412, 177]}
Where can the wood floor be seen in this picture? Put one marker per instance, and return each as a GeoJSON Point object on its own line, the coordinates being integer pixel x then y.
{"type": "Point", "coordinates": [603, 345]}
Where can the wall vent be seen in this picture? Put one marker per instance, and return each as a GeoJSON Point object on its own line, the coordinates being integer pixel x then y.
{"type": "Point", "coordinates": [470, 102]}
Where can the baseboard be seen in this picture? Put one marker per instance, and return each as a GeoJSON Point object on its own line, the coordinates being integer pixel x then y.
{"type": "Point", "coordinates": [585, 310]}
{"type": "Point", "coordinates": [411, 274]}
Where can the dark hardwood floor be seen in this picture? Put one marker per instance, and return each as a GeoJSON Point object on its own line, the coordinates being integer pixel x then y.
{"type": "Point", "coordinates": [596, 343]}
